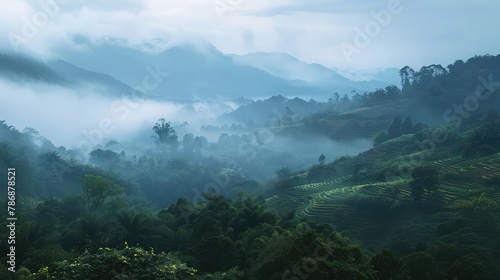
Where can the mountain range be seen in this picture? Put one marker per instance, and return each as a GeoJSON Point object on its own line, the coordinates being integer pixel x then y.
{"type": "Point", "coordinates": [189, 71]}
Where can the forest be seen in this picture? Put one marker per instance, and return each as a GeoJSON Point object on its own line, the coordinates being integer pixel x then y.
{"type": "Point", "coordinates": [395, 183]}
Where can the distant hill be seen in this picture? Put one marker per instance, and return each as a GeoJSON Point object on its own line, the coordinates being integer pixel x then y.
{"type": "Point", "coordinates": [26, 69]}
{"type": "Point", "coordinates": [79, 76]}
{"type": "Point", "coordinates": [276, 110]}
{"type": "Point", "coordinates": [20, 68]}
{"type": "Point", "coordinates": [388, 76]}
{"type": "Point", "coordinates": [288, 67]}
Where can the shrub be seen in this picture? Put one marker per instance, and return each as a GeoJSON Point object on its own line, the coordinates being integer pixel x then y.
{"type": "Point", "coordinates": [107, 263]}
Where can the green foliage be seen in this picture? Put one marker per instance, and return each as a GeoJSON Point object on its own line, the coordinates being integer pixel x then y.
{"type": "Point", "coordinates": [87, 232]}
{"type": "Point", "coordinates": [387, 265]}
{"type": "Point", "coordinates": [104, 158]}
{"type": "Point", "coordinates": [306, 253]}
{"type": "Point", "coordinates": [137, 228]}
{"type": "Point", "coordinates": [283, 173]}
{"type": "Point", "coordinates": [468, 267]}
{"type": "Point", "coordinates": [478, 207]}
{"type": "Point", "coordinates": [97, 190]}
{"type": "Point", "coordinates": [31, 234]}
{"type": "Point", "coordinates": [45, 256]}
{"type": "Point", "coordinates": [425, 181]}
{"type": "Point", "coordinates": [321, 172]}
{"type": "Point", "coordinates": [420, 265]}
{"type": "Point", "coordinates": [480, 211]}
{"type": "Point", "coordinates": [129, 263]}
{"type": "Point", "coordinates": [288, 183]}
{"type": "Point", "coordinates": [485, 139]}
{"type": "Point", "coordinates": [396, 129]}
{"type": "Point", "coordinates": [231, 274]}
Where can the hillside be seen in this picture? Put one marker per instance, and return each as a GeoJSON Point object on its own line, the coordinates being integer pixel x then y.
{"type": "Point", "coordinates": [369, 197]}
{"type": "Point", "coordinates": [24, 69]}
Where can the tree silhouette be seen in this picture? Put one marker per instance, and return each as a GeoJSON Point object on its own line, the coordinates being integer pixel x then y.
{"type": "Point", "coordinates": [322, 159]}
{"type": "Point", "coordinates": [165, 134]}
{"type": "Point", "coordinates": [425, 179]}
{"type": "Point", "coordinates": [407, 126]}
{"type": "Point", "coordinates": [395, 128]}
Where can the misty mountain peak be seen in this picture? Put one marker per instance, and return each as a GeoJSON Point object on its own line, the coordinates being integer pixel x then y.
{"type": "Point", "coordinates": [198, 46]}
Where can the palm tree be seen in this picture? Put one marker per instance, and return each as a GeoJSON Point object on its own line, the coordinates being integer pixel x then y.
{"type": "Point", "coordinates": [165, 134]}
{"type": "Point", "coordinates": [137, 228]}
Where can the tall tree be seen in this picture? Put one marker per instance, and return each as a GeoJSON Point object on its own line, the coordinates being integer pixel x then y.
{"type": "Point", "coordinates": [322, 159]}
{"type": "Point", "coordinates": [406, 74]}
{"type": "Point", "coordinates": [96, 190]}
{"type": "Point", "coordinates": [407, 126]}
{"type": "Point", "coordinates": [188, 144]}
{"type": "Point", "coordinates": [395, 128]}
{"type": "Point", "coordinates": [165, 134]}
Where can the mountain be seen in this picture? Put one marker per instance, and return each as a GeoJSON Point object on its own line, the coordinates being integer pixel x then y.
{"type": "Point", "coordinates": [193, 70]}
{"type": "Point", "coordinates": [79, 76]}
{"type": "Point", "coordinates": [187, 71]}
{"type": "Point", "coordinates": [19, 68]}
{"type": "Point", "coordinates": [276, 110]}
{"type": "Point", "coordinates": [290, 68]}
{"type": "Point", "coordinates": [389, 76]}
{"type": "Point", "coordinates": [198, 71]}
{"type": "Point", "coordinates": [26, 69]}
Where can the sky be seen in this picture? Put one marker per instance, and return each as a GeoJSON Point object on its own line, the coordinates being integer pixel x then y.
{"type": "Point", "coordinates": [362, 34]}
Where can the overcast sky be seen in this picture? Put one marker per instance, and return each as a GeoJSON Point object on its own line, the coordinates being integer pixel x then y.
{"type": "Point", "coordinates": [334, 33]}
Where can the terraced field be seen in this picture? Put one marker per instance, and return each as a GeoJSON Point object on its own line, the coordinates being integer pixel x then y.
{"type": "Point", "coordinates": [336, 201]}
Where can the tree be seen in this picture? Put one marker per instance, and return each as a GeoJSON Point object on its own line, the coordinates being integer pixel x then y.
{"type": "Point", "coordinates": [137, 228]}
{"type": "Point", "coordinates": [407, 126]}
{"type": "Point", "coordinates": [188, 144]}
{"type": "Point", "coordinates": [392, 91]}
{"type": "Point", "coordinates": [224, 141]}
{"type": "Point", "coordinates": [322, 159]}
{"type": "Point", "coordinates": [387, 265]}
{"type": "Point", "coordinates": [406, 74]}
{"type": "Point", "coordinates": [335, 97]}
{"type": "Point", "coordinates": [199, 142]}
{"type": "Point", "coordinates": [283, 173]}
{"type": "Point", "coordinates": [425, 180]}
{"type": "Point", "coordinates": [395, 128]}
{"type": "Point", "coordinates": [480, 210]}
{"type": "Point", "coordinates": [103, 158]}
{"type": "Point", "coordinates": [96, 190]}
{"type": "Point", "coordinates": [165, 134]}
{"type": "Point", "coordinates": [468, 267]}
{"type": "Point", "coordinates": [345, 98]}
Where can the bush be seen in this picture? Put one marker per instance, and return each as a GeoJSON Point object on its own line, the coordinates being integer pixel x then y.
{"type": "Point", "coordinates": [107, 263]}
{"type": "Point", "coordinates": [38, 258]}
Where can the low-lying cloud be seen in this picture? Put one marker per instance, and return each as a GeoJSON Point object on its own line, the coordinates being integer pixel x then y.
{"type": "Point", "coordinates": [82, 116]}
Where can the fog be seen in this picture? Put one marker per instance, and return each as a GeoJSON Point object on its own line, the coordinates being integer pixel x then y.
{"type": "Point", "coordinates": [68, 116]}
{"type": "Point", "coordinates": [84, 119]}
